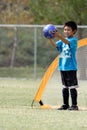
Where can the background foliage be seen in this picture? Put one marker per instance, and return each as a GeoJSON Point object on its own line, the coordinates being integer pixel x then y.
{"type": "Point", "coordinates": [38, 11]}
{"type": "Point", "coordinates": [35, 12]}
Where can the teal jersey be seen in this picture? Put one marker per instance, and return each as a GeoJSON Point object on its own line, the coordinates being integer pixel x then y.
{"type": "Point", "coordinates": [67, 54]}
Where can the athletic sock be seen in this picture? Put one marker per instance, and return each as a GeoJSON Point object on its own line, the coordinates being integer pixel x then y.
{"type": "Point", "coordinates": [73, 96]}
{"type": "Point", "coordinates": [65, 93]}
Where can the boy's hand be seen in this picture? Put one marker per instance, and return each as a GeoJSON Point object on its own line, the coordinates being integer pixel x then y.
{"type": "Point", "coordinates": [56, 34]}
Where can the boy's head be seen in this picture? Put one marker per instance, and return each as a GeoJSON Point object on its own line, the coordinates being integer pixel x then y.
{"type": "Point", "coordinates": [71, 24]}
{"type": "Point", "coordinates": [70, 28]}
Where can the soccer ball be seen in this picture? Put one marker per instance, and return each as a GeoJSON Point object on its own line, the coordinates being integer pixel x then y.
{"type": "Point", "coordinates": [48, 31]}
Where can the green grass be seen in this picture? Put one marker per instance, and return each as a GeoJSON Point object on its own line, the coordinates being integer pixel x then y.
{"type": "Point", "coordinates": [21, 72]}
{"type": "Point", "coordinates": [16, 96]}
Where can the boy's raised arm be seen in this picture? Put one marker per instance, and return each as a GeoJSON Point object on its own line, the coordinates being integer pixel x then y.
{"type": "Point", "coordinates": [52, 42]}
{"type": "Point", "coordinates": [57, 34]}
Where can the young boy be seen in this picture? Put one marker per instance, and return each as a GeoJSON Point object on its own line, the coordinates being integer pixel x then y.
{"type": "Point", "coordinates": [67, 47]}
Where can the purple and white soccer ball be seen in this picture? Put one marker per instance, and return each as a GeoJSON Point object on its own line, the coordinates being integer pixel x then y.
{"type": "Point", "coordinates": [48, 30]}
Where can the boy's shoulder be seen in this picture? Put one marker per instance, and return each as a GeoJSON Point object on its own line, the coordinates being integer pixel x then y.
{"type": "Point", "coordinates": [72, 38]}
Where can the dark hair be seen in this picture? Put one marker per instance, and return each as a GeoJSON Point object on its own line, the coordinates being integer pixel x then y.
{"type": "Point", "coordinates": [71, 24]}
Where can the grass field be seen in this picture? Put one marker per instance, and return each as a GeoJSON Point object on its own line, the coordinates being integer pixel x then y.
{"type": "Point", "coordinates": [16, 95]}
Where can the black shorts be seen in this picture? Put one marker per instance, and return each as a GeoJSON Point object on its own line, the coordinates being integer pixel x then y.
{"type": "Point", "coordinates": [69, 78]}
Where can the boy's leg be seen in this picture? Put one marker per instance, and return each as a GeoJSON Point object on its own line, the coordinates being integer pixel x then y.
{"type": "Point", "coordinates": [73, 93]}
{"type": "Point", "coordinates": [73, 96]}
{"type": "Point", "coordinates": [65, 94]}
{"type": "Point", "coordinates": [65, 91]}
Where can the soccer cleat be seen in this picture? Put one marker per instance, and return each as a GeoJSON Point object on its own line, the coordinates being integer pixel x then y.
{"type": "Point", "coordinates": [63, 107]}
{"type": "Point", "coordinates": [73, 107]}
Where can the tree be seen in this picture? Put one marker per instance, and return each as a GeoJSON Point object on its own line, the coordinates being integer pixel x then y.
{"type": "Point", "coordinates": [59, 11]}
{"type": "Point", "coordinates": [38, 11]}
{"type": "Point", "coordinates": [15, 12]}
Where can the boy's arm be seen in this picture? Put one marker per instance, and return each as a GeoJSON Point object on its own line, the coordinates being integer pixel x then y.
{"type": "Point", "coordinates": [57, 34]}
{"type": "Point", "coordinates": [52, 42]}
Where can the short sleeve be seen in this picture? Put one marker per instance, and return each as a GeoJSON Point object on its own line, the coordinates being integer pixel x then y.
{"type": "Point", "coordinates": [73, 43]}
{"type": "Point", "coordinates": [59, 45]}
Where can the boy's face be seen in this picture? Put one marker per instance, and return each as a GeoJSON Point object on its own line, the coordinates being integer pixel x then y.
{"type": "Point", "coordinates": [68, 32]}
